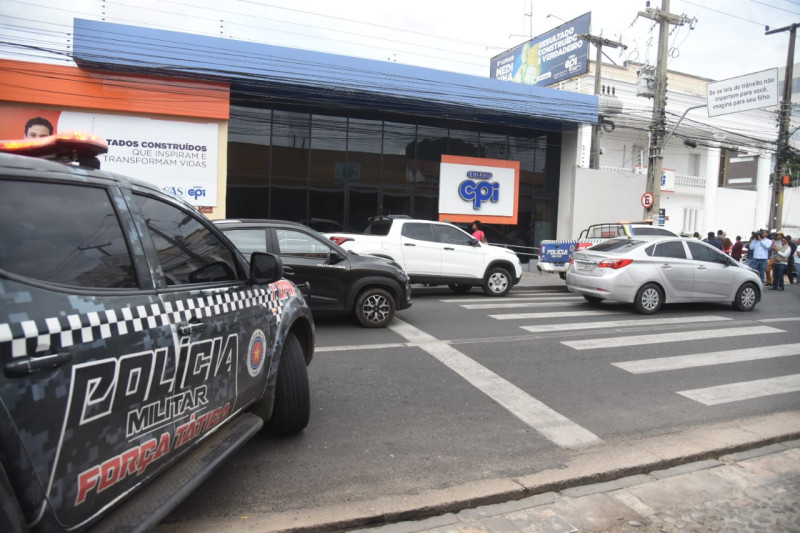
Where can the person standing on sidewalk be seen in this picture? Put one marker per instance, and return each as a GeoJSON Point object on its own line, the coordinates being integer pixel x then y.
{"type": "Point", "coordinates": [780, 260]}
{"type": "Point", "coordinates": [736, 251]}
{"type": "Point", "coordinates": [478, 233]}
{"type": "Point", "coordinates": [760, 246]}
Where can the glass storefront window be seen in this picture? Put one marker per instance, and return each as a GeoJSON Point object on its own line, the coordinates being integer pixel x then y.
{"type": "Point", "coordinates": [330, 172]}
{"type": "Point", "coordinates": [398, 169]}
{"type": "Point", "coordinates": [338, 171]}
{"type": "Point", "coordinates": [427, 152]}
{"type": "Point", "coordinates": [291, 143]}
{"type": "Point", "coordinates": [248, 162]}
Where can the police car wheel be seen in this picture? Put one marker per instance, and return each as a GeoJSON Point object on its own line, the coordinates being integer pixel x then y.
{"type": "Point", "coordinates": [497, 282]}
{"type": "Point", "coordinates": [292, 407]}
{"type": "Point", "coordinates": [374, 308]}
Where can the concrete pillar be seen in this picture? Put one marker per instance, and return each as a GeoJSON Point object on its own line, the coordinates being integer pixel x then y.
{"type": "Point", "coordinates": [711, 173]}
{"type": "Point", "coordinates": [763, 191]}
{"type": "Point", "coordinates": [570, 154]}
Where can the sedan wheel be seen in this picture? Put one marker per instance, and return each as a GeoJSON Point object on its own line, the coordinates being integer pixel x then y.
{"type": "Point", "coordinates": [648, 299]}
{"type": "Point", "coordinates": [374, 308]}
{"type": "Point", "coordinates": [497, 282]}
{"type": "Point", "coordinates": [746, 297]}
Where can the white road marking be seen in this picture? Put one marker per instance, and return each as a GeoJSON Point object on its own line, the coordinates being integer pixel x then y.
{"type": "Point", "coordinates": [745, 390]}
{"type": "Point", "coordinates": [541, 298]}
{"type": "Point", "coordinates": [790, 319]}
{"type": "Point", "coordinates": [551, 424]}
{"type": "Point", "coordinates": [578, 326]}
{"type": "Point", "coordinates": [679, 362]}
{"type": "Point", "coordinates": [359, 347]}
{"type": "Point", "coordinates": [518, 305]}
{"type": "Point", "coordinates": [559, 314]}
{"type": "Point", "coordinates": [615, 342]}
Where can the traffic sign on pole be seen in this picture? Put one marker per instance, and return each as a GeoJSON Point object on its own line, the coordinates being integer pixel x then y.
{"type": "Point", "coordinates": [647, 200]}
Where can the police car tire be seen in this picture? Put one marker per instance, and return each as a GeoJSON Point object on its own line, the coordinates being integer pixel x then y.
{"type": "Point", "coordinates": [497, 282]}
{"type": "Point", "coordinates": [459, 288]}
{"type": "Point", "coordinates": [292, 407]}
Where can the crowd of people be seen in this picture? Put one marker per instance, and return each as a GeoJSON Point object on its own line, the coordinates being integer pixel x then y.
{"type": "Point", "coordinates": [773, 255]}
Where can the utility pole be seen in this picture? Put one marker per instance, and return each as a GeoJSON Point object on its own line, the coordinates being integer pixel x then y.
{"type": "Point", "coordinates": [776, 208]}
{"type": "Point", "coordinates": [658, 126]}
{"type": "Point", "coordinates": [598, 42]}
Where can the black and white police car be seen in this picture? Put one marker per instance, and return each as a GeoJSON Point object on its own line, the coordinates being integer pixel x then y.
{"type": "Point", "coordinates": [138, 347]}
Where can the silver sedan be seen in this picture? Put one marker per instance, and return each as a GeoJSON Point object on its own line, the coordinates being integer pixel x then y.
{"type": "Point", "coordinates": [649, 271]}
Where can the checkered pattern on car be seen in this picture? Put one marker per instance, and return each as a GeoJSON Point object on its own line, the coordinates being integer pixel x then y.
{"type": "Point", "coordinates": [32, 336]}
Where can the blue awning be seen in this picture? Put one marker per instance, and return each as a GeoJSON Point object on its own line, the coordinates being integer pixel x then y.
{"type": "Point", "coordinates": [268, 72]}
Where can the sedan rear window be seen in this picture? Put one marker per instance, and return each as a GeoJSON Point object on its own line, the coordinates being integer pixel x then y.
{"type": "Point", "coordinates": [615, 245]}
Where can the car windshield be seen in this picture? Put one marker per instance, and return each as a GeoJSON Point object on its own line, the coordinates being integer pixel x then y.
{"type": "Point", "coordinates": [614, 245]}
{"type": "Point", "coordinates": [378, 227]}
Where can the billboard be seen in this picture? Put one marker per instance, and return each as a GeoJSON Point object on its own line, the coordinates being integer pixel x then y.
{"type": "Point", "coordinates": [178, 157]}
{"type": "Point", "coordinates": [751, 91]}
{"type": "Point", "coordinates": [551, 57]}
{"type": "Point", "coordinates": [471, 188]}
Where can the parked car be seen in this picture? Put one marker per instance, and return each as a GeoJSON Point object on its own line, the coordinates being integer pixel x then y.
{"type": "Point", "coordinates": [138, 347]}
{"type": "Point", "coordinates": [436, 253]}
{"type": "Point", "coordinates": [649, 271]}
{"type": "Point", "coordinates": [369, 287]}
{"type": "Point", "coordinates": [554, 255]}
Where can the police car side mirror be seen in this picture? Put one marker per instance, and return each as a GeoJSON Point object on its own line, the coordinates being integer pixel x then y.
{"type": "Point", "coordinates": [474, 242]}
{"type": "Point", "coordinates": [265, 268]}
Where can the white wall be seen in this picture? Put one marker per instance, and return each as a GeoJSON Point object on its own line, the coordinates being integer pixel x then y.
{"type": "Point", "coordinates": [684, 212]}
{"type": "Point", "coordinates": [735, 213]}
{"type": "Point", "coordinates": [605, 196]}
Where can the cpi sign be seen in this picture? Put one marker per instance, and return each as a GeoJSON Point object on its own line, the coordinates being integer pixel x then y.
{"type": "Point", "coordinates": [470, 188]}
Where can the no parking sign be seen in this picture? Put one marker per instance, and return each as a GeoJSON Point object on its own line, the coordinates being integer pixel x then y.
{"type": "Point", "coordinates": [647, 200]}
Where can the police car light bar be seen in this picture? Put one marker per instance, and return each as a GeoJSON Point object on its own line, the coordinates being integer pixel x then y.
{"type": "Point", "coordinates": [68, 145]}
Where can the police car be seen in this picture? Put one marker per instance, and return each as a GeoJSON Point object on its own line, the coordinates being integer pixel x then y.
{"type": "Point", "coordinates": [138, 347]}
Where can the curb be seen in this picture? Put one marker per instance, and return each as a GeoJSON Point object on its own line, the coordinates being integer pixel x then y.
{"type": "Point", "coordinates": [600, 464]}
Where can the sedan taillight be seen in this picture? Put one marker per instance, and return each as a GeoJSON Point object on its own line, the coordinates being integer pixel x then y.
{"type": "Point", "coordinates": [615, 263]}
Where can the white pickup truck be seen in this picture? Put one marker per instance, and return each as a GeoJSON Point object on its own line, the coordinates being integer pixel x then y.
{"type": "Point", "coordinates": [436, 253]}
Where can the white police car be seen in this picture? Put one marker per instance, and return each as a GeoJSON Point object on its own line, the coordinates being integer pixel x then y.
{"type": "Point", "coordinates": [138, 348]}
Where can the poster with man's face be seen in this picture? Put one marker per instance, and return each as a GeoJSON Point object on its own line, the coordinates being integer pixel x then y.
{"type": "Point", "coordinates": [178, 157]}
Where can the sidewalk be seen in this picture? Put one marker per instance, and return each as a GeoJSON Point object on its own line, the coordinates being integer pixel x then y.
{"type": "Point", "coordinates": [757, 490]}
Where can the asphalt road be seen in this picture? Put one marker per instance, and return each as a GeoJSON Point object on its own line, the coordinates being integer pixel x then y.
{"type": "Point", "coordinates": [465, 388]}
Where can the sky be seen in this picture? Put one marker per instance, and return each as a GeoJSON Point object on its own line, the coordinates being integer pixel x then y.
{"type": "Point", "coordinates": [727, 40]}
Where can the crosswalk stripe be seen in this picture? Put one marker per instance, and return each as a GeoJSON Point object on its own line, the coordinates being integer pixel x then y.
{"type": "Point", "coordinates": [358, 347]}
{"type": "Point", "coordinates": [518, 305]}
{"type": "Point", "coordinates": [579, 326]}
{"type": "Point", "coordinates": [558, 314]}
{"type": "Point", "coordinates": [745, 390]}
{"type": "Point", "coordinates": [542, 298]}
{"type": "Point", "coordinates": [679, 362]}
{"type": "Point", "coordinates": [551, 424]}
{"type": "Point", "coordinates": [615, 342]}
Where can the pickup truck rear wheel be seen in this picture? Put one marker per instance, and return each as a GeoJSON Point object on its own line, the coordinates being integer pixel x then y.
{"type": "Point", "coordinates": [374, 308]}
{"type": "Point", "coordinates": [292, 407]}
{"type": "Point", "coordinates": [459, 288]}
{"type": "Point", "coordinates": [497, 282]}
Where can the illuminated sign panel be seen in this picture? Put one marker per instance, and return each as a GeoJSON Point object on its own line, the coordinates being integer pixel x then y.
{"type": "Point", "coordinates": [472, 188]}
